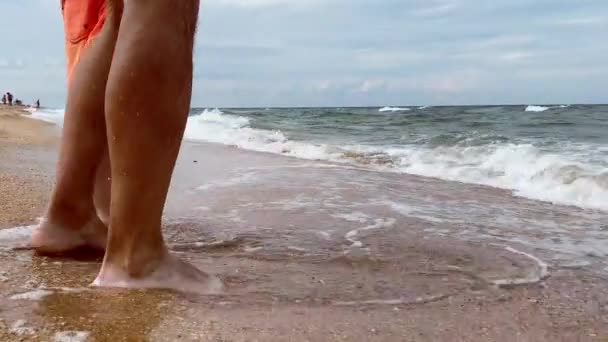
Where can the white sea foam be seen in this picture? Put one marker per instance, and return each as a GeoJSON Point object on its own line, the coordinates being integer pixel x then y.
{"type": "Point", "coordinates": [533, 108]}
{"type": "Point", "coordinates": [217, 127]}
{"type": "Point", "coordinates": [351, 236]}
{"type": "Point", "coordinates": [34, 295]}
{"type": "Point", "coordinates": [71, 336]}
{"type": "Point", "coordinates": [353, 217]}
{"type": "Point", "coordinates": [14, 237]}
{"type": "Point", "coordinates": [536, 109]}
{"type": "Point", "coordinates": [21, 328]}
{"type": "Point", "coordinates": [394, 301]}
{"type": "Point", "coordinates": [49, 115]}
{"type": "Point", "coordinates": [540, 274]}
{"type": "Point", "coordinates": [573, 175]}
{"type": "Point", "coordinates": [529, 172]}
{"type": "Point", "coordinates": [393, 109]}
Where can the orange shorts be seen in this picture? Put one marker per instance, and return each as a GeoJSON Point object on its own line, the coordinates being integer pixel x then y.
{"type": "Point", "coordinates": [82, 20]}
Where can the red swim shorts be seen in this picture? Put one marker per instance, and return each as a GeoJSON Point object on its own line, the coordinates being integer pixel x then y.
{"type": "Point", "coordinates": [83, 20]}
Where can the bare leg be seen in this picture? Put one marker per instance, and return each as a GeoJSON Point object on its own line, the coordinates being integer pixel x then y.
{"type": "Point", "coordinates": [147, 103]}
{"type": "Point", "coordinates": [71, 221]}
{"type": "Point", "coordinates": [102, 194]}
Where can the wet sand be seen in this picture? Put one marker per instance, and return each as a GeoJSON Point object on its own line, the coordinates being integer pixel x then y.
{"type": "Point", "coordinates": [314, 251]}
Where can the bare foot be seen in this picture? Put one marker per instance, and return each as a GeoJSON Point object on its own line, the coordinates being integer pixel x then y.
{"type": "Point", "coordinates": [53, 239]}
{"type": "Point", "coordinates": [171, 274]}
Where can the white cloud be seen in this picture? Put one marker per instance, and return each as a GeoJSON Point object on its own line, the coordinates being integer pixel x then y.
{"type": "Point", "coordinates": [370, 85]}
{"type": "Point", "coordinates": [12, 63]}
{"type": "Point", "coordinates": [441, 8]}
{"type": "Point", "coordinates": [324, 85]}
{"type": "Point", "coordinates": [582, 21]}
{"type": "Point", "coordinates": [445, 85]}
{"type": "Point", "coordinates": [353, 52]}
{"type": "Point", "coordinates": [259, 3]}
{"type": "Point", "coordinates": [516, 56]}
{"type": "Point", "coordinates": [388, 58]}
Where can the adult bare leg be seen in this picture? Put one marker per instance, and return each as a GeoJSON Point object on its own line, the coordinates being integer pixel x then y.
{"type": "Point", "coordinates": [147, 103]}
{"type": "Point", "coordinates": [71, 221]}
{"type": "Point", "coordinates": [102, 191]}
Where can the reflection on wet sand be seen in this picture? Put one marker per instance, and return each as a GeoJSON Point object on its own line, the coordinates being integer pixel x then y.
{"type": "Point", "coordinates": [317, 251]}
{"type": "Point", "coordinates": [56, 300]}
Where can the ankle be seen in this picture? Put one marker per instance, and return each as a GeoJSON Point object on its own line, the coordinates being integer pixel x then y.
{"type": "Point", "coordinates": [136, 259]}
{"type": "Point", "coordinates": [70, 214]}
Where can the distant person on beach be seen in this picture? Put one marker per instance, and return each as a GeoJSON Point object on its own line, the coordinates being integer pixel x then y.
{"type": "Point", "coordinates": [119, 144]}
{"type": "Point", "coordinates": [37, 104]}
{"type": "Point", "coordinates": [4, 99]}
{"type": "Point", "coordinates": [9, 98]}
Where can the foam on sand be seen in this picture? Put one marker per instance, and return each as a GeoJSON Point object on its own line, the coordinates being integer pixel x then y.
{"type": "Point", "coordinates": [351, 236]}
{"type": "Point", "coordinates": [71, 336]}
{"type": "Point", "coordinates": [34, 295]}
{"type": "Point", "coordinates": [395, 301]}
{"type": "Point", "coordinates": [54, 116]}
{"type": "Point", "coordinates": [21, 328]}
{"type": "Point", "coordinates": [542, 272]}
{"type": "Point", "coordinates": [15, 237]}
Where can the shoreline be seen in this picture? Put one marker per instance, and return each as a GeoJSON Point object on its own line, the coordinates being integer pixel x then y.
{"type": "Point", "coordinates": [284, 233]}
{"type": "Point", "coordinates": [585, 200]}
{"type": "Point", "coordinates": [22, 139]}
{"type": "Point", "coordinates": [17, 127]}
{"type": "Point", "coordinates": [532, 155]}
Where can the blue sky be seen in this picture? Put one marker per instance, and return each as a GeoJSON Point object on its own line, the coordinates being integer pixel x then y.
{"type": "Point", "coordinates": [354, 52]}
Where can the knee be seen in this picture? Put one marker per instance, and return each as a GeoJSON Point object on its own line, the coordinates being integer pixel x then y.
{"type": "Point", "coordinates": [182, 9]}
{"type": "Point", "coordinates": [181, 15]}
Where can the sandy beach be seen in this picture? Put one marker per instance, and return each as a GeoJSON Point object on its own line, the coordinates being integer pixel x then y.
{"type": "Point", "coordinates": [312, 251]}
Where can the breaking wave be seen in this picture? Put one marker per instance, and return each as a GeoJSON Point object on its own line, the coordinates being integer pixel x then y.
{"type": "Point", "coordinates": [393, 109]}
{"type": "Point", "coordinates": [527, 170]}
{"type": "Point", "coordinates": [533, 108]}
{"type": "Point", "coordinates": [573, 174]}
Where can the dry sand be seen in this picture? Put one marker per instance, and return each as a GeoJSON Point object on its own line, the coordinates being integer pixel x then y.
{"type": "Point", "coordinates": [17, 128]}
{"type": "Point", "coordinates": [290, 297]}
{"type": "Point", "coordinates": [24, 182]}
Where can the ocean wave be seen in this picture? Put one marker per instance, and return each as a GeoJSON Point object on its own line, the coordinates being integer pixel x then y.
{"type": "Point", "coordinates": [533, 108]}
{"type": "Point", "coordinates": [571, 174]}
{"type": "Point", "coordinates": [536, 108]}
{"type": "Point", "coordinates": [54, 116]}
{"type": "Point", "coordinates": [393, 109]}
{"type": "Point", "coordinates": [523, 168]}
{"type": "Point", "coordinates": [216, 127]}
{"type": "Point", "coordinates": [472, 158]}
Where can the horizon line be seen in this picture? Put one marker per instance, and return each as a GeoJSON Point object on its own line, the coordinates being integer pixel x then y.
{"type": "Point", "coordinates": [411, 105]}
